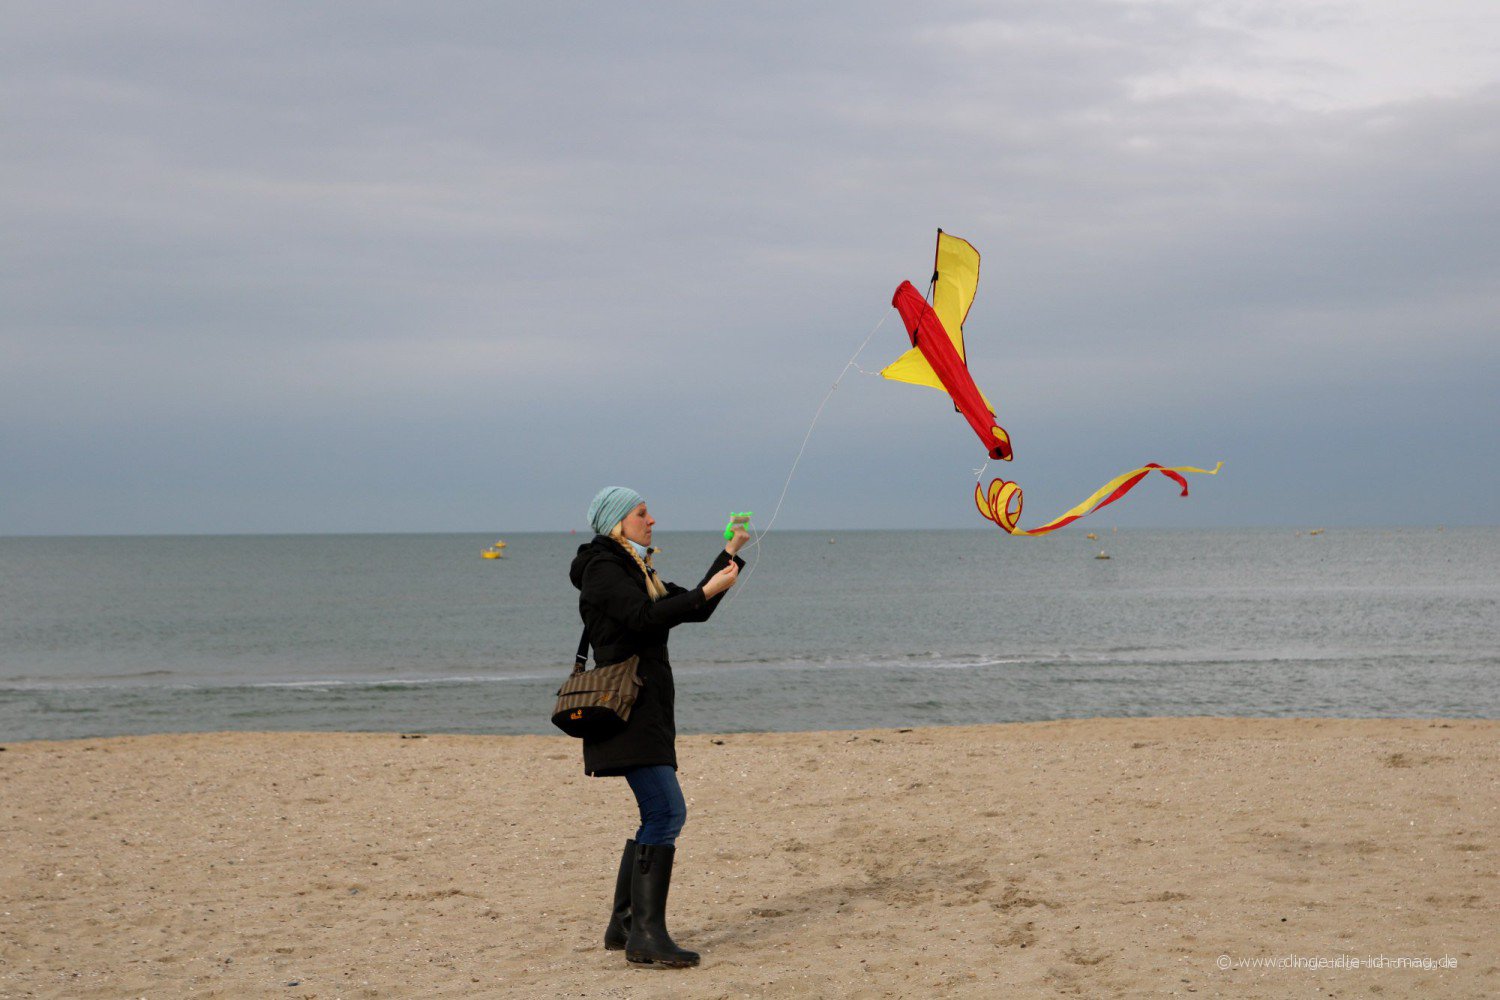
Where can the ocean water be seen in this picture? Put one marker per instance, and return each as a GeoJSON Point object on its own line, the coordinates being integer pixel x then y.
{"type": "Point", "coordinates": [110, 636]}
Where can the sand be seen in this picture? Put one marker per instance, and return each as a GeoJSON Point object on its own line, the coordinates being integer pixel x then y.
{"type": "Point", "coordinates": [1096, 858]}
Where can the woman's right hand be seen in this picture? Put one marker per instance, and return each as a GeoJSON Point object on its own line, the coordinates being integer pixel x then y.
{"type": "Point", "coordinates": [722, 580]}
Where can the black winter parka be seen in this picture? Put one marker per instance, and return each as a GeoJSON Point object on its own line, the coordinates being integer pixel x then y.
{"type": "Point", "coordinates": [623, 621]}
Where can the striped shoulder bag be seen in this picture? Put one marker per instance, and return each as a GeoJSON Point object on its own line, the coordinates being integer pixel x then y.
{"type": "Point", "coordinates": [595, 704]}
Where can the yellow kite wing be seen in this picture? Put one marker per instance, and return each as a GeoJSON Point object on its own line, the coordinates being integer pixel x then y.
{"type": "Point", "coordinates": [955, 278]}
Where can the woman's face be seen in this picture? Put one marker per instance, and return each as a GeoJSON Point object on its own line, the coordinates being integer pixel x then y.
{"type": "Point", "coordinates": [637, 525]}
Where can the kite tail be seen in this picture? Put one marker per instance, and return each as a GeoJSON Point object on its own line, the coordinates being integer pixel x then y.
{"type": "Point", "coordinates": [1002, 502]}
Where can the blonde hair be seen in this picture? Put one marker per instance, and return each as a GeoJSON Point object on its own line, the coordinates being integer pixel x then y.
{"type": "Point", "coordinates": [654, 587]}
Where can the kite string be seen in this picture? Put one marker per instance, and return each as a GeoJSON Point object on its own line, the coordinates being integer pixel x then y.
{"type": "Point", "coordinates": [760, 536]}
{"type": "Point", "coordinates": [808, 436]}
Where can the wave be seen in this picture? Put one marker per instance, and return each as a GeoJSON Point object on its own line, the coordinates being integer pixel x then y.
{"type": "Point", "coordinates": [1123, 656]}
{"type": "Point", "coordinates": [404, 682]}
{"type": "Point", "coordinates": [1129, 658]}
{"type": "Point", "coordinates": [129, 675]}
{"type": "Point", "coordinates": [108, 682]}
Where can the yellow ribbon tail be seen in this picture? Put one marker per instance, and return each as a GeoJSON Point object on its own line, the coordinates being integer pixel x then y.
{"type": "Point", "coordinates": [1002, 501]}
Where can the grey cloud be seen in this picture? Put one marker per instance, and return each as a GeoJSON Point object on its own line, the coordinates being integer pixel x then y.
{"type": "Point", "coordinates": [242, 239]}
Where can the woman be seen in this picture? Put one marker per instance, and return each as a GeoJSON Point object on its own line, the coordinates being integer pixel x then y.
{"type": "Point", "coordinates": [627, 611]}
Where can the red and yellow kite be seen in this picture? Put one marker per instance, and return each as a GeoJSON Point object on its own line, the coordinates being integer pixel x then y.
{"type": "Point", "coordinates": [937, 359]}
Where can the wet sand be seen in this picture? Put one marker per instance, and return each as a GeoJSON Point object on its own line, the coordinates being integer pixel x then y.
{"type": "Point", "coordinates": [1108, 857]}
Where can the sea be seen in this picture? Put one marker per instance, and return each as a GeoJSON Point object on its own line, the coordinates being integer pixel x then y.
{"type": "Point", "coordinates": [105, 636]}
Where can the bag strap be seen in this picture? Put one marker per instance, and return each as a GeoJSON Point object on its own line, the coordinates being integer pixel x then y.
{"type": "Point", "coordinates": [581, 659]}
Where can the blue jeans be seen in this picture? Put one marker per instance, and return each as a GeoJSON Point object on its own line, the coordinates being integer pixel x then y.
{"type": "Point", "coordinates": [663, 809]}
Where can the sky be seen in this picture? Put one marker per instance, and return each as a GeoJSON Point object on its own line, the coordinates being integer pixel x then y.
{"type": "Point", "coordinates": [310, 267]}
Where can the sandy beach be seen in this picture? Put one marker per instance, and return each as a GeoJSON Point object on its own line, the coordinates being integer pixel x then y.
{"type": "Point", "coordinates": [1110, 857]}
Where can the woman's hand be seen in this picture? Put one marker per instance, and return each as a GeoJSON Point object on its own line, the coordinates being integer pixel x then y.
{"type": "Point", "coordinates": [721, 581]}
{"type": "Point", "coordinates": [737, 541]}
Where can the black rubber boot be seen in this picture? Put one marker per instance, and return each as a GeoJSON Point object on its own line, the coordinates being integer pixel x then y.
{"type": "Point", "coordinates": [619, 921]}
{"type": "Point", "coordinates": [648, 942]}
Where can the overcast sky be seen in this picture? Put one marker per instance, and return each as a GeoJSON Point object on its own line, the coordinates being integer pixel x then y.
{"type": "Point", "coordinates": [454, 266]}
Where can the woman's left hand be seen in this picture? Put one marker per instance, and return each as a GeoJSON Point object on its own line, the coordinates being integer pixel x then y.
{"type": "Point", "coordinates": [737, 541]}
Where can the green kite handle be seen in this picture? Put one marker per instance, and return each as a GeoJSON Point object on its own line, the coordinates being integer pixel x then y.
{"type": "Point", "coordinates": [736, 521]}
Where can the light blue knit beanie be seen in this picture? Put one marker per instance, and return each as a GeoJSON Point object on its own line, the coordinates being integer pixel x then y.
{"type": "Point", "coordinates": [610, 506]}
